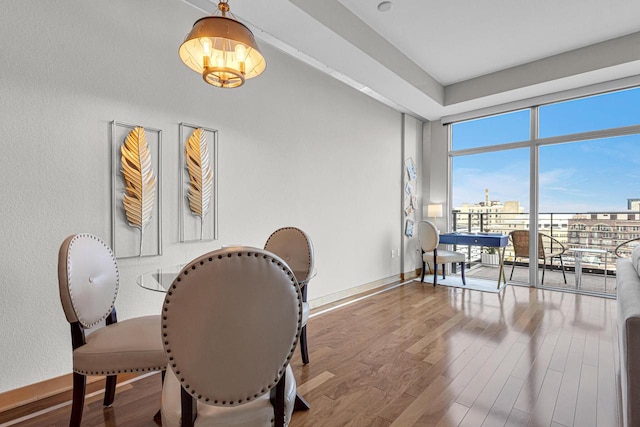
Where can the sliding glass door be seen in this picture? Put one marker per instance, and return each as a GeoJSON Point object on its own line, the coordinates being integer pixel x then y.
{"type": "Point", "coordinates": [490, 184]}
{"type": "Point", "coordinates": [585, 188]}
{"type": "Point", "coordinates": [579, 161]}
{"type": "Point", "coordinates": [490, 194]}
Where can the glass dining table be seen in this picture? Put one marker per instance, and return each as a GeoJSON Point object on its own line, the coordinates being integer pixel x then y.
{"type": "Point", "coordinates": [161, 278]}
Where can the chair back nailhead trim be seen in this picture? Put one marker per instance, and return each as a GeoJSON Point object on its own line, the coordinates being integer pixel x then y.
{"type": "Point", "coordinates": [281, 236]}
{"type": "Point", "coordinates": [189, 280]}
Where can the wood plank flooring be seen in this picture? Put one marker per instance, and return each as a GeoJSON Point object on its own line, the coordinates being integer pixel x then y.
{"type": "Point", "coordinates": [422, 356]}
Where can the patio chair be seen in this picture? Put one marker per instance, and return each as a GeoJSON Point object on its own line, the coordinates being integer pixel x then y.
{"type": "Point", "coordinates": [624, 253]}
{"type": "Point", "coordinates": [554, 249]}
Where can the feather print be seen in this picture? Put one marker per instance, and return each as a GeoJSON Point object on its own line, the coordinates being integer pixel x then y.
{"type": "Point", "coordinates": [200, 175]}
{"type": "Point", "coordinates": [139, 180]}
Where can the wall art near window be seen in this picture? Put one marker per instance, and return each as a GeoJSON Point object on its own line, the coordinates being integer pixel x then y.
{"type": "Point", "coordinates": [409, 199]}
{"type": "Point", "coordinates": [136, 222]}
{"type": "Point", "coordinates": [411, 169]}
{"type": "Point", "coordinates": [198, 183]}
{"type": "Point", "coordinates": [408, 228]}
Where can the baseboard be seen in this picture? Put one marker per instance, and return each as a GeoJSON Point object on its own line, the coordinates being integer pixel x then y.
{"type": "Point", "coordinates": [30, 393]}
{"type": "Point", "coordinates": [347, 293]}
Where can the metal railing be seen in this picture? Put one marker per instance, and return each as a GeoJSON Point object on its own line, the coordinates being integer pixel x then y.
{"type": "Point", "coordinates": [601, 231]}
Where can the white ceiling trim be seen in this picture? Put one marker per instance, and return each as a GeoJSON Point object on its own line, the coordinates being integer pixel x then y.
{"type": "Point", "coordinates": [621, 51]}
{"type": "Point", "coordinates": [563, 95]}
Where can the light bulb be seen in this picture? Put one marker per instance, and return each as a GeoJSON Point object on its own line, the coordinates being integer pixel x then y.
{"type": "Point", "coordinates": [206, 47]}
{"type": "Point", "coordinates": [241, 52]}
{"type": "Point", "coordinates": [206, 52]}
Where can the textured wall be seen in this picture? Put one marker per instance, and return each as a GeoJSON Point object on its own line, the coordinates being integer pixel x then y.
{"type": "Point", "coordinates": [296, 148]}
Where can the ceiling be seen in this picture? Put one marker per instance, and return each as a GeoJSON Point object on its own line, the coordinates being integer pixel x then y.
{"type": "Point", "coordinates": [440, 58]}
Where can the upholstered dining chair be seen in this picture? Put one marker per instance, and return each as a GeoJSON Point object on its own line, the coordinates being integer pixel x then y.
{"type": "Point", "coordinates": [88, 281]}
{"type": "Point", "coordinates": [230, 322]}
{"type": "Point", "coordinates": [294, 246]}
{"type": "Point", "coordinates": [429, 237]}
{"type": "Point", "coordinates": [552, 249]}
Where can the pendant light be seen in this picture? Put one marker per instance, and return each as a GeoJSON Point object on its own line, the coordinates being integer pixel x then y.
{"type": "Point", "coordinates": [222, 50]}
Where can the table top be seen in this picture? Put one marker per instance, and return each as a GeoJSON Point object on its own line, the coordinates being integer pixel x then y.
{"type": "Point", "coordinates": [481, 233]}
{"type": "Point", "coordinates": [591, 250]}
{"type": "Point", "coordinates": [476, 239]}
{"type": "Point", "coordinates": [160, 279]}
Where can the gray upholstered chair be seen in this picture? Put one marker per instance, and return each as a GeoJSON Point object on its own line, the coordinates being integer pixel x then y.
{"type": "Point", "coordinates": [429, 237]}
{"type": "Point", "coordinates": [294, 246]}
{"type": "Point", "coordinates": [88, 282]}
{"type": "Point", "coordinates": [231, 321]}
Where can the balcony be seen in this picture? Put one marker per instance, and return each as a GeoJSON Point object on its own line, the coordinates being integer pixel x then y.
{"type": "Point", "coordinates": [589, 241]}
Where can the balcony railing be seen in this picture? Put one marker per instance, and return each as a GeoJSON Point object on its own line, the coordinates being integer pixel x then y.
{"type": "Point", "coordinates": [593, 237]}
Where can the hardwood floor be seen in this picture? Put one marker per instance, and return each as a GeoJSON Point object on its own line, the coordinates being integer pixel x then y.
{"type": "Point", "coordinates": [419, 356]}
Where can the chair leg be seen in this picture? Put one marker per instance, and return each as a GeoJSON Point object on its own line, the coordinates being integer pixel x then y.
{"type": "Point", "coordinates": [110, 390]}
{"type": "Point", "coordinates": [435, 274]}
{"type": "Point", "coordinates": [79, 388]}
{"type": "Point", "coordinates": [277, 400]}
{"type": "Point", "coordinates": [301, 404]}
{"type": "Point", "coordinates": [188, 408]}
{"type": "Point", "coordinates": [513, 264]}
{"type": "Point", "coordinates": [464, 282]}
{"type": "Point", "coordinates": [544, 264]}
{"type": "Point", "coordinates": [563, 274]}
{"type": "Point", "coordinates": [424, 267]}
{"type": "Point", "coordinates": [304, 352]}
{"type": "Point", "coordinates": [443, 271]}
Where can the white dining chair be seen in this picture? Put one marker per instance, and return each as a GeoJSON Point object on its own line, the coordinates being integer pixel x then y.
{"type": "Point", "coordinates": [295, 247]}
{"type": "Point", "coordinates": [231, 321]}
{"type": "Point", "coordinates": [88, 282]}
{"type": "Point", "coordinates": [429, 237]}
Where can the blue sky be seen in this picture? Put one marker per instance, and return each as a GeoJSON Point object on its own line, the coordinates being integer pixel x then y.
{"type": "Point", "coordinates": [585, 176]}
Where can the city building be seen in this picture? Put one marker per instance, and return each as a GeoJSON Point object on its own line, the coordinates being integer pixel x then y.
{"type": "Point", "coordinates": [601, 231]}
{"type": "Point", "coordinates": [605, 231]}
{"type": "Point", "coordinates": [489, 216]}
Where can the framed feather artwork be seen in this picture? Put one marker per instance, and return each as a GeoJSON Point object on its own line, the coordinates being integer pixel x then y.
{"type": "Point", "coordinates": [136, 222]}
{"type": "Point", "coordinates": [198, 183]}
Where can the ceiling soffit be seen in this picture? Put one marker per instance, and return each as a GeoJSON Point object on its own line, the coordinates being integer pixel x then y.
{"type": "Point", "coordinates": [329, 37]}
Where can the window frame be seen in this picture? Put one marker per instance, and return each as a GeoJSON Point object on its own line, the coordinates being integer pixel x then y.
{"type": "Point", "coordinates": [534, 144]}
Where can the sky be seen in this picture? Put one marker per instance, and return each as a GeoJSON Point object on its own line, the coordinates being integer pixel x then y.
{"type": "Point", "coordinates": [586, 176]}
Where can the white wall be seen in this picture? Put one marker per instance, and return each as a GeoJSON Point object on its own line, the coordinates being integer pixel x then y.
{"type": "Point", "coordinates": [436, 169]}
{"type": "Point", "coordinates": [296, 148]}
